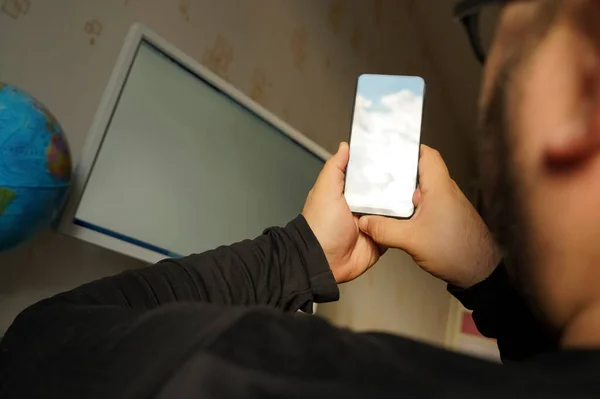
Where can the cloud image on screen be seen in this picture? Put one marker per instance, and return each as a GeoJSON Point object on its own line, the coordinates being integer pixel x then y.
{"type": "Point", "coordinates": [384, 144]}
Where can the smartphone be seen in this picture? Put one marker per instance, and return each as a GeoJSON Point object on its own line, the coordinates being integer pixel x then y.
{"type": "Point", "coordinates": [382, 173]}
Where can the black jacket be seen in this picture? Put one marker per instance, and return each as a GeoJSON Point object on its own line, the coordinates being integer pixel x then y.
{"type": "Point", "coordinates": [500, 312]}
{"type": "Point", "coordinates": [222, 324]}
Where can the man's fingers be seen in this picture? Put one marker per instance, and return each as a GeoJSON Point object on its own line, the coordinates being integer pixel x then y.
{"type": "Point", "coordinates": [386, 231]}
{"type": "Point", "coordinates": [332, 175]}
{"type": "Point", "coordinates": [432, 168]}
{"type": "Point", "coordinates": [416, 199]}
{"type": "Point", "coordinates": [340, 159]}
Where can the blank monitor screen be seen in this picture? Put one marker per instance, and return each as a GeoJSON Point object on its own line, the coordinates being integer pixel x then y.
{"type": "Point", "coordinates": [185, 168]}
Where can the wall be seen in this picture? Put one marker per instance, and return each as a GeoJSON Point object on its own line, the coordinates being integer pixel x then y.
{"type": "Point", "coordinates": [299, 58]}
{"type": "Point", "coordinates": [450, 52]}
{"type": "Point", "coordinates": [447, 44]}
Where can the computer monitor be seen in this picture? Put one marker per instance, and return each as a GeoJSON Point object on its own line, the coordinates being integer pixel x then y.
{"type": "Point", "coordinates": [178, 161]}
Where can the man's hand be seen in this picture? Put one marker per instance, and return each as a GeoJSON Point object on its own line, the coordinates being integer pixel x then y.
{"type": "Point", "coordinates": [446, 236]}
{"type": "Point", "coordinates": [349, 251]}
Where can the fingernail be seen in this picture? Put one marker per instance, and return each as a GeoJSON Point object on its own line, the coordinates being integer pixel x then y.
{"type": "Point", "coordinates": [340, 146]}
{"type": "Point", "coordinates": [363, 223]}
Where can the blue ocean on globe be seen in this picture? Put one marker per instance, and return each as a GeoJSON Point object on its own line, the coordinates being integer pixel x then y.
{"type": "Point", "coordinates": [35, 167]}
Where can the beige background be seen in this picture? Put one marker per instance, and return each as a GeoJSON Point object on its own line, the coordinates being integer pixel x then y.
{"type": "Point", "coordinates": [299, 58]}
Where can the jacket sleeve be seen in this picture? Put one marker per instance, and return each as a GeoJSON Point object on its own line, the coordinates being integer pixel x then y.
{"type": "Point", "coordinates": [284, 268]}
{"type": "Point", "coordinates": [500, 312]}
{"type": "Point", "coordinates": [119, 326]}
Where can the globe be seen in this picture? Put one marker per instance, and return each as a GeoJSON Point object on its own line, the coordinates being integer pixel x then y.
{"type": "Point", "coordinates": [35, 167]}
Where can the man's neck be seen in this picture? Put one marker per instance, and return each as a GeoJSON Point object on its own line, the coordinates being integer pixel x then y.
{"type": "Point", "coordinates": [583, 330]}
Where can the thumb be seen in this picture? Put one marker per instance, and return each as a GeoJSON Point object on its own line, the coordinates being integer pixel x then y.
{"type": "Point", "coordinates": [388, 232]}
{"type": "Point", "coordinates": [332, 175]}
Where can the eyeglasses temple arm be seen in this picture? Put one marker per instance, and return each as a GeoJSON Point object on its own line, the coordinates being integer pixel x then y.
{"type": "Point", "coordinates": [471, 23]}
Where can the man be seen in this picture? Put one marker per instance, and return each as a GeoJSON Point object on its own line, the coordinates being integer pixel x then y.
{"type": "Point", "coordinates": [213, 325]}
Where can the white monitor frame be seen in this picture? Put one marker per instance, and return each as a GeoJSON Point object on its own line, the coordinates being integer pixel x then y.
{"type": "Point", "coordinates": [136, 36]}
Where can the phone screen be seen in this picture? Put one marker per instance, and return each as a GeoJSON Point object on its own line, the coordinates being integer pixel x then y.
{"type": "Point", "coordinates": [384, 145]}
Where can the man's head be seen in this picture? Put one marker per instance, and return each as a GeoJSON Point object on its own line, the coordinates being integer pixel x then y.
{"type": "Point", "coordinates": [540, 155]}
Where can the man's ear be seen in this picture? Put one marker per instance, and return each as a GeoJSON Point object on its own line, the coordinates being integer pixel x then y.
{"type": "Point", "coordinates": [580, 140]}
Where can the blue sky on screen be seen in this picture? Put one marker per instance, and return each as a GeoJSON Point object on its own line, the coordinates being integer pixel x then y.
{"type": "Point", "coordinates": [384, 146]}
{"type": "Point", "coordinates": [374, 87]}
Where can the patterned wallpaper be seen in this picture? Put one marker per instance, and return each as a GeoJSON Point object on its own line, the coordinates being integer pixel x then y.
{"type": "Point", "coordinates": [298, 58]}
